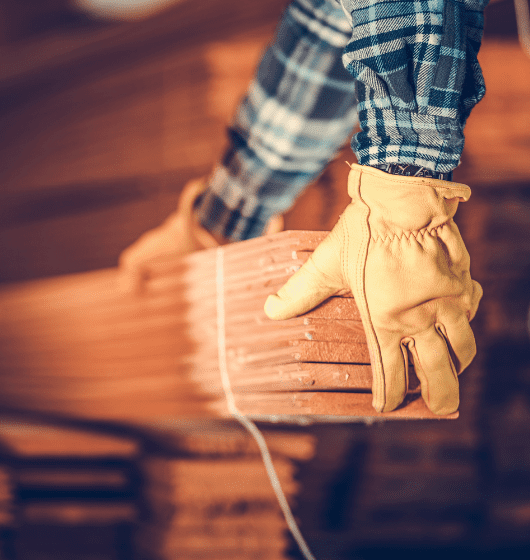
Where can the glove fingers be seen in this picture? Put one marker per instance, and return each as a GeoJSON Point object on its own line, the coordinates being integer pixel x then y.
{"type": "Point", "coordinates": [475, 299]}
{"type": "Point", "coordinates": [389, 394]}
{"type": "Point", "coordinates": [435, 370]}
{"type": "Point", "coordinates": [319, 278]}
{"type": "Point", "coordinates": [132, 263]}
{"type": "Point", "coordinates": [461, 340]}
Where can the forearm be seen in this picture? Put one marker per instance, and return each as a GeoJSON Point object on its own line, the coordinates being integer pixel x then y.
{"type": "Point", "coordinates": [418, 78]}
{"type": "Point", "coordinates": [299, 110]}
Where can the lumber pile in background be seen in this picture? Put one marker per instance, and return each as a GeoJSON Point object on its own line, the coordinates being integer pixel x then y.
{"type": "Point", "coordinates": [79, 346]}
{"type": "Point", "coordinates": [217, 502]}
{"type": "Point", "coordinates": [71, 493]}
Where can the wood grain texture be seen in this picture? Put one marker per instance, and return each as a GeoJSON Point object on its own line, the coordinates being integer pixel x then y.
{"type": "Point", "coordinates": [79, 346]}
{"type": "Point", "coordinates": [220, 507]}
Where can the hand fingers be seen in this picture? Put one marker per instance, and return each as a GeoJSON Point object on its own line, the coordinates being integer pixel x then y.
{"type": "Point", "coordinates": [132, 264]}
{"type": "Point", "coordinates": [389, 390]}
{"type": "Point", "coordinates": [301, 293]}
{"type": "Point", "coordinates": [461, 342]}
{"type": "Point", "coordinates": [475, 299]}
{"type": "Point", "coordinates": [134, 260]}
{"type": "Point", "coordinates": [130, 277]}
{"type": "Point", "coordinates": [435, 370]}
{"type": "Point", "coordinates": [319, 278]}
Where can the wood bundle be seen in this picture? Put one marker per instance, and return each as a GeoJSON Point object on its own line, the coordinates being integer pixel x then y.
{"type": "Point", "coordinates": [225, 509]}
{"type": "Point", "coordinates": [78, 345]}
{"type": "Point", "coordinates": [206, 495]}
{"type": "Point", "coordinates": [6, 497]}
{"type": "Point", "coordinates": [65, 476]}
{"type": "Point", "coordinates": [217, 501]}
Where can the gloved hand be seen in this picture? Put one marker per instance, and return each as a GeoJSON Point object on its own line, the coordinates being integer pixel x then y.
{"type": "Point", "coordinates": [178, 235]}
{"type": "Point", "coordinates": [397, 248]}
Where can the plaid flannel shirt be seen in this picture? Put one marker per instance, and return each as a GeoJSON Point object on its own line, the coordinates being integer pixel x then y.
{"type": "Point", "coordinates": [407, 70]}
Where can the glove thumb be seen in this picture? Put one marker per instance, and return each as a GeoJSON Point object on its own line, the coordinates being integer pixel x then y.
{"type": "Point", "coordinates": [319, 278]}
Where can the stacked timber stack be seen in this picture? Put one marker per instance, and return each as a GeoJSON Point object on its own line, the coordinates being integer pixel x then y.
{"type": "Point", "coordinates": [419, 486]}
{"type": "Point", "coordinates": [216, 502]}
{"type": "Point", "coordinates": [78, 345]}
{"type": "Point", "coordinates": [73, 493]}
{"type": "Point", "coordinates": [7, 513]}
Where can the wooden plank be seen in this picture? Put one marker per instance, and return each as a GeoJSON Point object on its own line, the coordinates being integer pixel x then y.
{"type": "Point", "coordinates": [30, 439]}
{"type": "Point", "coordinates": [218, 502]}
{"type": "Point", "coordinates": [45, 477]}
{"type": "Point", "coordinates": [330, 406]}
{"type": "Point", "coordinates": [80, 513]}
{"type": "Point", "coordinates": [6, 497]}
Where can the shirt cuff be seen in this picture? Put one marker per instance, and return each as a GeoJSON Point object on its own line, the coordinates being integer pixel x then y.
{"type": "Point", "coordinates": [390, 136]}
{"type": "Point", "coordinates": [226, 210]}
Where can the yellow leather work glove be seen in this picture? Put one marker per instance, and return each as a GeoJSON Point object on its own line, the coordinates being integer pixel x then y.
{"type": "Point", "coordinates": [178, 235]}
{"type": "Point", "coordinates": [397, 248]}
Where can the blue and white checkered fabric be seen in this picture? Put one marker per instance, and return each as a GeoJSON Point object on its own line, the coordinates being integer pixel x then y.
{"type": "Point", "coordinates": [412, 76]}
{"type": "Point", "coordinates": [418, 78]}
{"type": "Point", "coordinates": [299, 110]}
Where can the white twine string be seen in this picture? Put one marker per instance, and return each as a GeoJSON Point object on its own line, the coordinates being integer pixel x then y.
{"type": "Point", "coordinates": [246, 422]}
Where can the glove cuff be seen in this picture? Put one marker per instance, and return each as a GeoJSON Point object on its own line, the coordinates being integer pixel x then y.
{"type": "Point", "coordinates": [405, 204]}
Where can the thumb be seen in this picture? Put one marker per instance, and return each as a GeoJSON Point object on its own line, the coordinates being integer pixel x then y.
{"type": "Point", "coordinates": [319, 278]}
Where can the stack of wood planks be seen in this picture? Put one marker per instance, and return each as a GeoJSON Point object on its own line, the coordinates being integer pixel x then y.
{"type": "Point", "coordinates": [56, 472]}
{"type": "Point", "coordinates": [204, 493]}
{"type": "Point", "coordinates": [68, 493]}
{"type": "Point", "coordinates": [6, 496]}
{"type": "Point", "coordinates": [78, 345]}
{"type": "Point", "coordinates": [215, 501]}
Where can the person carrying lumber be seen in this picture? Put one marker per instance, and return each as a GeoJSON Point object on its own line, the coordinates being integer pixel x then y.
{"type": "Point", "coordinates": [408, 72]}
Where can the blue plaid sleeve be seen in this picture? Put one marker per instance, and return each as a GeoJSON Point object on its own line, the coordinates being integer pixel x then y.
{"type": "Point", "coordinates": [299, 110]}
{"type": "Point", "coordinates": [407, 69]}
{"type": "Point", "coordinates": [418, 77]}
